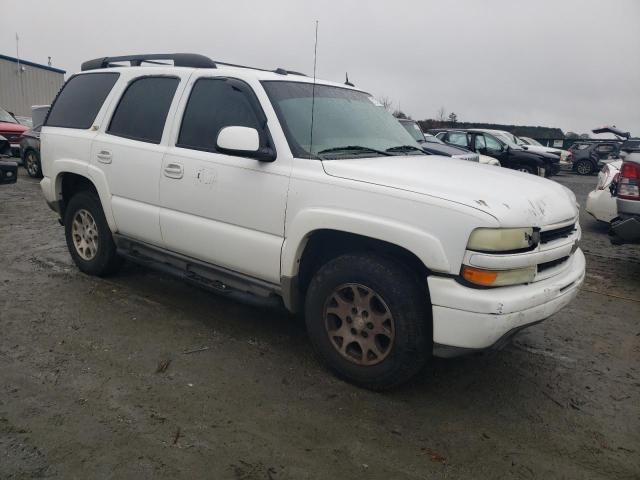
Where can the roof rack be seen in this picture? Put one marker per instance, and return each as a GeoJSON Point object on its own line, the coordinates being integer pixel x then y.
{"type": "Point", "coordinates": [192, 60]}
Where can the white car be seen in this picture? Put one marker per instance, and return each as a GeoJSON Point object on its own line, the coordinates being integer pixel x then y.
{"type": "Point", "coordinates": [214, 173]}
{"type": "Point", "coordinates": [600, 203]}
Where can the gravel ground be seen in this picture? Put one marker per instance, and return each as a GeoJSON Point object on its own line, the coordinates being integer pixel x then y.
{"type": "Point", "coordinates": [95, 381]}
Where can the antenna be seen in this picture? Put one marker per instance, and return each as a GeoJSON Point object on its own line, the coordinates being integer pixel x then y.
{"type": "Point", "coordinates": [346, 80]}
{"type": "Point", "coordinates": [313, 88]}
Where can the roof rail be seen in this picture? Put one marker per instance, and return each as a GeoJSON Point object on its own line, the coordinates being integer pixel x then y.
{"type": "Point", "coordinates": [179, 60]}
{"type": "Point", "coordinates": [192, 60]}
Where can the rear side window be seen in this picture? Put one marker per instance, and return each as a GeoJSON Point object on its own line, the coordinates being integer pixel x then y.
{"type": "Point", "coordinates": [143, 108]}
{"type": "Point", "coordinates": [79, 101]}
{"type": "Point", "coordinates": [213, 105]}
{"type": "Point", "coordinates": [458, 139]}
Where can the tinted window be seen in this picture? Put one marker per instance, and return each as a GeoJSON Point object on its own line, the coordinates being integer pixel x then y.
{"type": "Point", "coordinates": [143, 109]}
{"type": "Point", "coordinates": [605, 148]}
{"type": "Point", "coordinates": [213, 105]}
{"type": "Point", "coordinates": [80, 100]}
{"type": "Point", "coordinates": [480, 143]}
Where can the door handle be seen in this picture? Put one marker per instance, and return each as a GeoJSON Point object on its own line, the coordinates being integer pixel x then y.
{"type": "Point", "coordinates": [104, 156]}
{"type": "Point", "coordinates": [174, 170]}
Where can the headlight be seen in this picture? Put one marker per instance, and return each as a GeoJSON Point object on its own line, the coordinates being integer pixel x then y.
{"type": "Point", "coordinates": [502, 239]}
{"type": "Point", "coordinates": [498, 278]}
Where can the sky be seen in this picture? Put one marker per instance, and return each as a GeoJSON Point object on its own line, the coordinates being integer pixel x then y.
{"type": "Point", "coordinates": [558, 63]}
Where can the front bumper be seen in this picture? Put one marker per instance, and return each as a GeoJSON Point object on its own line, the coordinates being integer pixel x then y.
{"type": "Point", "coordinates": [8, 172]}
{"type": "Point", "coordinates": [467, 319]}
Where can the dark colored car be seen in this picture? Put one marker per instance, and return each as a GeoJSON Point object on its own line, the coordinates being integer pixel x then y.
{"type": "Point", "coordinates": [507, 153]}
{"type": "Point", "coordinates": [30, 152]}
{"type": "Point", "coordinates": [12, 130]}
{"type": "Point", "coordinates": [8, 170]}
{"type": "Point", "coordinates": [437, 147]}
{"type": "Point", "coordinates": [587, 156]}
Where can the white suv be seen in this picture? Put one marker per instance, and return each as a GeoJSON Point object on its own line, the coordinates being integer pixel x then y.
{"type": "Point", "coordinates": [219, 173]}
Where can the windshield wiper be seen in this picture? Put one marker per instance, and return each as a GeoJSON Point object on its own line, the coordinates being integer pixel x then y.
{"type": "Point", "coordinates": [353, 148]}
{"type": "Point", "coordinates": [404, 148]}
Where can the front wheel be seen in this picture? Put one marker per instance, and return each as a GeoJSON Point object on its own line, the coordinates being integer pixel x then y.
{"type": "Point", "coordinates": [88, 235]}
{"type": "Point", "coordinates": [369, 320]}
{"type": "Point", "coordinates": [528, 169]}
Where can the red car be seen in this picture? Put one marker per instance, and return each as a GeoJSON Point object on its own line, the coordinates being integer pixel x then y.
{"type": "Point", "coordinates": [12, 130]}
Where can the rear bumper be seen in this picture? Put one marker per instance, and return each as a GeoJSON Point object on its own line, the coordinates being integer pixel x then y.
{"type": "Point", "coordinates": [467, 319]}
{"type": "Point", "coordinates": [626, 230]}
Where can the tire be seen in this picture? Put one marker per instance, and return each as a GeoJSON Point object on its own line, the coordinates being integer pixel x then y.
{"type": "Point", "coordinates": [584, 167]}
{"type": "Point", "coordinates": [527, 169]}
{"type": "Point", "coordinates": [404, 344]}
{"type": "Point", "coordinates": [32, 164]}
{"type": "Point", "coordinates": [88, 235]}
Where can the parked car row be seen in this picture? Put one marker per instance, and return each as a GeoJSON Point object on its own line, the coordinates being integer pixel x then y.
{"type": "Point", "coordinates": [435, 146]}
{"type": "Point", "coordinates": [616, 198]}
{"type": "Point", "coordinates": [503, 147]}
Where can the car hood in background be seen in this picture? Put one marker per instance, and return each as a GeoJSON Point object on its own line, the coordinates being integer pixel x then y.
{"type": "Point", "coordinates": [443, 149]}
{"type": "Point", "coordinates": [515, 199]}
{"type": "Point", "coordinates": [12, 127]}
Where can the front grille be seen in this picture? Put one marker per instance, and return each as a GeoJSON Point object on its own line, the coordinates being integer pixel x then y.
{"type": "Point", "coordinates": [551, 235]}
{"type": "Point", "coordinates": [12, 137]}
{"type": "Point", "coordinates": [553, 263]}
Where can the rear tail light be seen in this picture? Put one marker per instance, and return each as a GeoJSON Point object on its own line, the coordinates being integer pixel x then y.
{"type": "Point", "coordinates": [629, 182]}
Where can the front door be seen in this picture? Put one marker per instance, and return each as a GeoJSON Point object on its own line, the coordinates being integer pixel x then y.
{"type": "Point", "coordinates": [223, 209]}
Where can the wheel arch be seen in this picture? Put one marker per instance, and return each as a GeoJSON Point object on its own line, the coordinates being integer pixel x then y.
{"type": "Point", "coordinates": [70, 181]}
{"type": "Point", "coordinates": [305, 251]}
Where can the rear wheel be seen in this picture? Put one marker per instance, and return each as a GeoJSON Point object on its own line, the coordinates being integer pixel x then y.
{"type": "Point", "coordinates": [369, 320]}
{"type": "Point", "coordinates": [88, 235]}
{"type": "Point", "coordinates": [32, 164]}
{"type": "Point", "coordinates": [584, 167]}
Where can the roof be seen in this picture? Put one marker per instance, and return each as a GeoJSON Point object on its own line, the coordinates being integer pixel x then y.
{"type": "Point", "coordinates": [240, 72]}
{"type": "Point", "coordinates": [31, 64]}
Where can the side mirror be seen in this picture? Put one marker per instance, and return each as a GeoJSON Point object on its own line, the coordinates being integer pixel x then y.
{"type": "Point", "coordinates": [244, 142]}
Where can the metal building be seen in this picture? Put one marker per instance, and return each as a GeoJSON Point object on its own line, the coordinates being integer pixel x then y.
{"type": "Point", "coordinates": [24, 83]}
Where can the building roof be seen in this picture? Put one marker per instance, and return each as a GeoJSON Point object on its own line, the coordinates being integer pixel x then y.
{"type": "Point", "coordinates": [31, 64]}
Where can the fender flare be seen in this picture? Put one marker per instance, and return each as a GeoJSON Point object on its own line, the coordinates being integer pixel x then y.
{"type": "Point", "coordinates": [93, 175]}
{"type": "Point", "coordinates": [422, 244]}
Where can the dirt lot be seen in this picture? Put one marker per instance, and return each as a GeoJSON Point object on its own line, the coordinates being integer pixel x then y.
{"type": "Point", "coordinates": [95, 381]}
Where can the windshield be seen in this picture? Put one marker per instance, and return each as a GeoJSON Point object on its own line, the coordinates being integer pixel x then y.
{"type": "Point", "coordinates": [432, 139]}
{"type": "Point", "coordinates": [341, 118]}
{"type": "Point", "coordinates": [6, 117]}
{"type": "Point", "coordinates": [507, 138]}
{"type": "Point", "coordinates": [531, 141]}
{"type": "Point", "coordinates": [414, 131]}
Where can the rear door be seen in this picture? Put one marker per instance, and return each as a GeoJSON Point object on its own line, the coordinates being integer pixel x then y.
{"type": "Point", "coordinates": [129, 149]}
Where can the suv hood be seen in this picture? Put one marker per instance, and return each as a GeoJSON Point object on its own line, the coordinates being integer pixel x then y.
{"type": "Point", "coordinates": [514, 199]}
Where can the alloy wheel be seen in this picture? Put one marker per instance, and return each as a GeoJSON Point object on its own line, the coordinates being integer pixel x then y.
{"type": "Point", "coordinates": [584, 168]}
{"type": "Point", "coordinates": [84, 232]}
{"type": "Point", "coordinates": [359, 324]}
{"type": "Point", "coordinates": [31, 164]}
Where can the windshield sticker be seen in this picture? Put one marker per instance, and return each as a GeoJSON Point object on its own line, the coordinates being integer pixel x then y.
{"type": "Point", "coordinates": [375, 102]}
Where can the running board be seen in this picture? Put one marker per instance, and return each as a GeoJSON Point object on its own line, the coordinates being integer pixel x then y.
{"type": "Point", "coordinates": [220, 280]}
